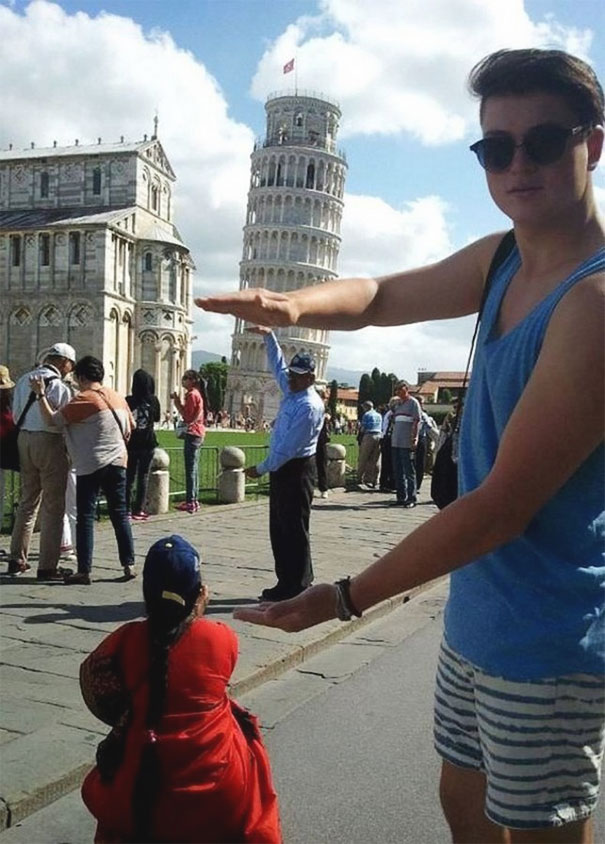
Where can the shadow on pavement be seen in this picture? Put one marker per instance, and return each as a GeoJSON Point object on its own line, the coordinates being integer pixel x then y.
{"type": "Point", "coordinates": [127, 611]}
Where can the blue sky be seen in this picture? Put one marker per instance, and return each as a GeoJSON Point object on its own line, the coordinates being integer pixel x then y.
{"type": "Point", "coordinates": [397, 67]}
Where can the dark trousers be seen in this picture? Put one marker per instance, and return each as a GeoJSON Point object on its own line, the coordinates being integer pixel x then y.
{"type": "Point", "coordinates": [139, 461]}
{"type": "Point", "coordinates": [420, 460]}
{"type": "Point", "coordinates": [321, 464]}
{"type": "Point", "coordinates": [405, 475]}
{"type": "Point", "coordinates": [112, 481]}
{"type": "Point", "coordinates": [291, 493]}
{"type": "Point", "coordinates": [191, 447]}
{"type": "Point", "coordinates": [386, 466]}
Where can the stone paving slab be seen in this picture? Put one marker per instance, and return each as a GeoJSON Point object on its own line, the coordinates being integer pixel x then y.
{"type": "Point", "coordinates": [47, 736]}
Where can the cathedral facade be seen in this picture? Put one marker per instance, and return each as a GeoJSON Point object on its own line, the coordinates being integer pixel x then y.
{"type": "Point", "coordinates": [291, 236]}
{"type": "Point", "coordinates": [89, 255]}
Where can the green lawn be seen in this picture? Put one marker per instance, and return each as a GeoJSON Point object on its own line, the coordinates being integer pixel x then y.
{"type": "Point", "coordinates": [253, 444]}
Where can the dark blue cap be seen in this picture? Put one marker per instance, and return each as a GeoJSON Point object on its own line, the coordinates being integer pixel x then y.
{"type": "Point", "coordinates": [172, 571]}
{"type": "Point", "coordinates": [302, 364]}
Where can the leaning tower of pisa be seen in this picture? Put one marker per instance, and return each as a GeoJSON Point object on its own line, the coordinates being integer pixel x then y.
{"type": "Point", "coordinates": [291, 235]}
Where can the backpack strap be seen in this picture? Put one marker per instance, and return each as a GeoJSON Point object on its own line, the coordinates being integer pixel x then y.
{"type": "Point", "coordinates": [115, 416]}
{"type": "Point", "coordinates": [30, 400]}
{"type": "Point", "coordinates": [505, 247]}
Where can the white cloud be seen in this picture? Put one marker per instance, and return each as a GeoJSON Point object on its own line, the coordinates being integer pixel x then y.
{"type": "Point", "coordinates": [401, 66]}
{"type": "Point", "coordinates": [379, 239]}
{"type": "Point", "coordinates": [104, 76]}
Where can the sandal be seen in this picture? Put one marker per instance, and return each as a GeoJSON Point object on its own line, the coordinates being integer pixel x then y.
{"type": "Point", "coordinates": [16, 567]}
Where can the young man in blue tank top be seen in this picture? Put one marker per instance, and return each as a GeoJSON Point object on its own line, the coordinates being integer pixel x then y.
{"type": "Point", "coordinates": [519, 702]}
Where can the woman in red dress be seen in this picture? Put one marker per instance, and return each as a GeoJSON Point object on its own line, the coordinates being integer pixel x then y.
{"type": "Point", "coordinates": [183, 761]}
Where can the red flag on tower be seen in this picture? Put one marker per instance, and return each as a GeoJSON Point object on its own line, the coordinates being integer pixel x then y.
{"type": "Point", "coordinates": [289, 66]}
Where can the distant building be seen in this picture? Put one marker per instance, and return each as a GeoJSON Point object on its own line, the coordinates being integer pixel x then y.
{"type": "Point", "coordinates": [347, 402]}
{"type": "Point", "coordinates": [89, 255]}
{"type": "Point", "coordinates": [432, 386]}
{"type": "Point", "coordinates": [291, 235]}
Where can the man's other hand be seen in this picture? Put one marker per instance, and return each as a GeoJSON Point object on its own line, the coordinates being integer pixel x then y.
{"type": "Point", "coordinates": [314, 605]}
{"type": "Point", "coordinates": [252, 473]}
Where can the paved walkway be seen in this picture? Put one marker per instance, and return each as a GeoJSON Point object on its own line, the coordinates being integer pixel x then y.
{"type": "Point", "coordinates": [48, 737]}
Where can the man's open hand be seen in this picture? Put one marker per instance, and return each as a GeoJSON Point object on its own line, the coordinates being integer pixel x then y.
{"type": "Point", "coordinates": [314, 605]}
{"type": "Point", "coordinates": [256, 305]}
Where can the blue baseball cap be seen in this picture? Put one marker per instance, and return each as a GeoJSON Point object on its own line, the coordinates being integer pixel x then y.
{"type": "Point", "coordinates": [302, 364]}
{"type": "Point", "coordinates": [172, 572]}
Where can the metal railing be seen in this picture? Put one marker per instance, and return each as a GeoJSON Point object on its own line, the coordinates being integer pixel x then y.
{"type": "Point", "coordinates": [209, 470]}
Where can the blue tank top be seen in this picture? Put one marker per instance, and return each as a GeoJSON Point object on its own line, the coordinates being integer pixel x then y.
{"type": "Point", "coordinates": [534, 607]}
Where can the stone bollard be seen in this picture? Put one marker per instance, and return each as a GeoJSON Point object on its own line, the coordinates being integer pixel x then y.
{"type": "Point", "coordinates": [232, 480]}
{"type": "Point", "coordinates": [158, 491]}
{"type": "Point", "coordinates": [336, 465]}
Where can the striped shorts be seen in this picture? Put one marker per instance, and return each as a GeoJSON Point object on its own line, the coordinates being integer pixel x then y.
{"type": "Point", "coordinates": [539, 743]}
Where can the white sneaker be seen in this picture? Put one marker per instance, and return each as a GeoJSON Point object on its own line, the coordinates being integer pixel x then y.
{"type": "Point", "coordinates": [324, 494]}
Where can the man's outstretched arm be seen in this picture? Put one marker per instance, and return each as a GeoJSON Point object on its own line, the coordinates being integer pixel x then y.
{"type": "Point", "coordinates": [449, 288]}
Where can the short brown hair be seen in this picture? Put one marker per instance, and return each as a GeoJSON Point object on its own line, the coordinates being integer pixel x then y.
{"type": "Point", "coordinates": [530, 71]}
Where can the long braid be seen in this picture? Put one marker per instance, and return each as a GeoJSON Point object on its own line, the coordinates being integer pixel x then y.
{"type": "Point", "coordinates": [164, 632]}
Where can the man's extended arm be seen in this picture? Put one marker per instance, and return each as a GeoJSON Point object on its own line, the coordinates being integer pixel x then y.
{"type": "Point", "coordinates": [276, 361]}
{"type": "Point", "coordinates": [449, 288]}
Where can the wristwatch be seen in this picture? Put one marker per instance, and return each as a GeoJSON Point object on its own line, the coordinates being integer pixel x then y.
{"type": "Point", "coordinates": [345, 608]}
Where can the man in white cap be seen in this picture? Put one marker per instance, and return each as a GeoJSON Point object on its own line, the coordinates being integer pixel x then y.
{"type": "Point", "coordinates": [44, 466]}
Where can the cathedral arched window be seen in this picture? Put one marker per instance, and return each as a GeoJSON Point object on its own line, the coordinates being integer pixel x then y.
{"type": "Point", "coordinates": [44, 184]}
{"type": "Point", "coordinates": [44, 247]}
{"type": "Point", "coordinates": [74, 247]}
{"type": "Point", "coordinates": [155, 197]}
{"type": "Point", "coordinates": [148, 261]}
{"type": "Point", "coordinates": [96, 181]}
{"type": "Point", "coordinates": [15, 242]}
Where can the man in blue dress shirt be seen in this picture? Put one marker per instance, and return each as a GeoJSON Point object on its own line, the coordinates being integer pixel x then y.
{"type": "Point", "coordinates": [290, 464]}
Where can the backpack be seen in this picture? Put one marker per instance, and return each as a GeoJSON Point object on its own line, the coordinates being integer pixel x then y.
{"type": "Point", "coordinates": [143, 417]}
{"type": "Point", "coordinates": [143, 434]}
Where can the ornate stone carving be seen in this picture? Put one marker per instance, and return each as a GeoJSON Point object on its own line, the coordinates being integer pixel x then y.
{"type": "Point", "coordinates": [50, 316]}
{"type": "Point", "coordinates": [80, 316]}
{"type": "Point", "coordinates": [21, 316]}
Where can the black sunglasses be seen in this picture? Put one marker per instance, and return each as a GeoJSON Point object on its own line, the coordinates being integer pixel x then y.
{"type": "Point", "coordinates": [543, 144]}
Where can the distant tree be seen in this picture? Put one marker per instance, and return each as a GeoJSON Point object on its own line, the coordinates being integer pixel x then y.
{"type": "Point", "coordinates": [215, 375]}
{"type": "Point", "coordinates": [375, 376]}
{"type": "Point", "coordinates": [377, 387]}
{"type": "Point", "coordinates": [332, 399]}
{"type": "Point", "coordinates": [385, 389]}
{"type": "Point", "coordinates": [445, 396]}
{"type": "Point", "coordinates": [365, 390]}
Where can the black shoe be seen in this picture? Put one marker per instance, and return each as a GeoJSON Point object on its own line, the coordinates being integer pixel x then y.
{"type": "Point", "coordinates": [277, 593]}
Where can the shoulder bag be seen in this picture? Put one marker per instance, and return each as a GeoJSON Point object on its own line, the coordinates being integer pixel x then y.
{"type": "Point", "coordinates": [9, 449]}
